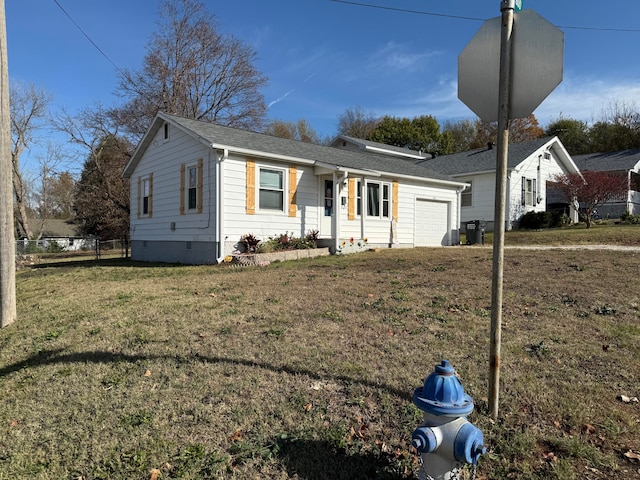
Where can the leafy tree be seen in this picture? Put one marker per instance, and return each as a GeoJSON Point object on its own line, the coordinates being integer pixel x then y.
{"type": "Point", "coordinates": [420, 134]}
{"type": "Point", "coordinates": [617, 129]}
{"type": "Point", "coordinates": [520, 130]}
{"type": "Point", "coordinates": [102, 194]}
{"type": "Point", "coordinates": [357, 123]}
{"type": "Point", "coordinates": [574, 134]}
{"type": "Point", "coordinates": [193, 71]}
{"type": "Point", "coordinates": [28, 107]}
{"type": "Point", "coordinates": [589, 190]}
{"type": "Point", "coordinates": [300, 130]}
{"type": "Point", "coordinates": [56, 197]}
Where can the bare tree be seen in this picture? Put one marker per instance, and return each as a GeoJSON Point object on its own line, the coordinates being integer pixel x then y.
{"type": "Point", "coordinates": [28, 107]}
{"type": "Point", "coordinates": [101, 194]}
{"type": "Point", "coordinates": [357, 123]}
{"type": "Point", "coordinates": [193, 71]}
{"type": "Point", "coordinates": [300, 130]}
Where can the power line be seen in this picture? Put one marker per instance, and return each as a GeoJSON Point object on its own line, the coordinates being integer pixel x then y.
{"type": "Point", "coordinates": [122, 72]}
{"type": "Point", "coordinates": [459, 17]}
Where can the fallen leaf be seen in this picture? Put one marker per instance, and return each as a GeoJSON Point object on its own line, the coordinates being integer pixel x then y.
{"type": "Point", "coordinates": [14, 423]}
{"type": "Point", "coordinates": [549, 457]}
{"type": "Point", "coordinates": [588, 429]}
{"type": "Point", "coordinates": [556, 424]}
{"type": "Point", "coordinates": [147, 373]}
{"type": "Point", "coordinates": [237, 435]}
{"type": "Point", "coordinates": [625, 399]}
{"type": "Point", "coordinates": [155, 474]}
{"type": "Point", "coordinates": [632, 455]}
{"type": "Point", "coordinates": [308, 407]}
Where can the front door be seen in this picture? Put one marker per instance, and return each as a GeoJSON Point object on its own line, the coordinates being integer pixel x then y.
{"type": "Point", "coordinates": [328, 208]}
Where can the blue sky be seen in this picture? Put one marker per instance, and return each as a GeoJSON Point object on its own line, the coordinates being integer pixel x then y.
{"type": "Point", "coordinates": [323, 56]}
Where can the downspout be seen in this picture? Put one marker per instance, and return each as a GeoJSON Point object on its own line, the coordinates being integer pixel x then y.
{"type": "Point", "coordinates": [508, 225]}
{"type": "Point", "coordinates": [459, 191]}
{"type": "Point", "coordinates": [220, 203]}
{"type": "Point", "coordinates": [337, 193]}
{"type": "Point", "coordinates": [629, 199]}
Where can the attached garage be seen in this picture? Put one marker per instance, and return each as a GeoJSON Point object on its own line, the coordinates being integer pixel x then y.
{"type": "Point", "coordinates": [432, 223]}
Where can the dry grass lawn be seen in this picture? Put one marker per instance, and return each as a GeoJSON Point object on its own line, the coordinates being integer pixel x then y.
{"type": "Point", "coordinates": [305, 370]}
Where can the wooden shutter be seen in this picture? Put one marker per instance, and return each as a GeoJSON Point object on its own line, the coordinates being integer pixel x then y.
{"type": "Point", "coordinates": [394, 201]}
{"type": "Point", "coordinates": [523, 192]}
{"type": "Point", "coordinates": [251, 188]}
{"type": "Point", "coordinates": [182, 172]}
{"type": "Point", "coordinates": [150, 214]}
{"type": "Point", "coordinates": [351, 212]}
{"type": "Point", "coordinates": [200, 176]}
{"type": "Point", "coordinates": [293, 185]}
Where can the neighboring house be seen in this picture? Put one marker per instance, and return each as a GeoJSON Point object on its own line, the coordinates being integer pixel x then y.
{"type": "Point", "coordinates": [531, 166]}
{"type": "Point", "coordinates": [59, 233]}
{"type": "Point", "coordinates": [627, 163]}
{"type": "Point", "coordinates": [197, 188]}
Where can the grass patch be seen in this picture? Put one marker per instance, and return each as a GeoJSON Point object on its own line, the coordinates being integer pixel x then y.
{"type": "Point", "coordinates": [307, 376]}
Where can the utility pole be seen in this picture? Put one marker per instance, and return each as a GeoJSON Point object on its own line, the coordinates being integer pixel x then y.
{"type": "Point", "coordinates": [504, 93]}
{"type": "Point", "coordinates": [7, 243]}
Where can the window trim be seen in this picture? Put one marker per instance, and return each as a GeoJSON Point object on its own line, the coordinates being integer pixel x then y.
{"type": "Point", "coordinates": [384, 207]}
{"type": "Point", "coordinates": [145, 180]}
{"type": "Point", "coordinates": [467, 193]}
{"type": "Point", "coordinates": [529, 195]}
{"type": "Point", "coordinates": [282, 190]}
{"type": "Point", "coordinates": [186, 188]}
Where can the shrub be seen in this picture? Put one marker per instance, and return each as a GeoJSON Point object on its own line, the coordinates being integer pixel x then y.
{"type": "Point", "coordinates": [627, 217]}
{"type": "Point", "coordinates": [536, 220]}
{"type": "Point", "coordinates": [249, 242]}
{"type": "Point", "coordinates": [287, 241]}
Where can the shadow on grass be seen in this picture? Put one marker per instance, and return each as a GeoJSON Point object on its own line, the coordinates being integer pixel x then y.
{"type": "Point", "coordinates": [56, 356]}
{"type": "Point", "coordinates": [319, 460]}
{"type": "Point", "coordinates": [104, 262]}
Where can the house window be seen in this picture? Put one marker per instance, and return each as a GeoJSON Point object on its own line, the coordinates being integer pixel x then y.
{"type": "Point", "coordinates": [328, 198]}
{"type": "Point", "coordinates": [166, 132]}
{"type": "Point", "coordinates": [529, 193]}
{"type": "Point", "coordinates": [359, 197]}
{"type": "Point", "coordinates": [192, 188]}
{"type": "Point", "coordinates": [378, 199]}
{"type": "Point", "coordinates": [271, 194]}
{"type": "Point", "coordinates": [145, 196]}
{"type": "Point", "coordinates": [466, 196]}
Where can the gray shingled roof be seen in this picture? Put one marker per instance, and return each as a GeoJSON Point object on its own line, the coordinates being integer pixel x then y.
{"type": "Point", "coordinates": [609, 162]}
{"type": "Point", "coordinates": [482, 159]}
{"type": "Point", "coordinates": [231, 137]}
{"type": "Point", "coordinates": [369, 143]}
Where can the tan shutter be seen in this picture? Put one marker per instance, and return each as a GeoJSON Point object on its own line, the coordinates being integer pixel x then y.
{"type": "Point", "coordinates": [352, 199]}
{"type": "Point", "coordinates": [150, 214]}
{"type": "Point", "coordinates": [251, 188]}
{"type": "Point", "coordinates": [394, 201]}
{"type": "Point", "coordinates": [199, 200]}
{"type": "Point", "coordinates": [293, 185]}
{"type": "Point", "coordinates": [139, 194]}
{"type": "Point", "coordinates": [182, 170]}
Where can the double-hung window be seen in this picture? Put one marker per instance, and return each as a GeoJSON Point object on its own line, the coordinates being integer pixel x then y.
{"type": "Point", "coordinates": [378, 199]}
{"type": "Point", "coordinates": [145, 196]}
{"type": "Point", "coordinates": [271, 193]}
{"type": "Point", "coordinates": [529, 193]}
{"type": "Point", "coordinates": [192, 188]}
{"type": "Point", "coordinates": [467, 196]}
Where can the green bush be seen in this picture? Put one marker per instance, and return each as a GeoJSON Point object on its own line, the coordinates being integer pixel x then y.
{"type": "Point", "coordinates": [287, 241]}
{"type": "Point", "coordinates": [627, 217]}
{"type": "Point", "coordinates": [536, 220]}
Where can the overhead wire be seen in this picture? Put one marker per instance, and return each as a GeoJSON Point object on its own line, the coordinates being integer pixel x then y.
{"type": "Point", "coordinates": [460, 17]}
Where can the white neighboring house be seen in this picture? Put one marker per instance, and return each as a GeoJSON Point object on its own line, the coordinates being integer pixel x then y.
{"type": "Point", "coordinates": [625, 162]}
{"type": "Point", "coordinates": [531, 166]}
{"type": "Point", "coordinates": [197, 188]}
{"type": "Point", "coordinates": [57, 233]}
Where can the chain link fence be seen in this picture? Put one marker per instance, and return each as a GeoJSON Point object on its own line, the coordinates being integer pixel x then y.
{"type": "Point", "coordinates": [33, 252]}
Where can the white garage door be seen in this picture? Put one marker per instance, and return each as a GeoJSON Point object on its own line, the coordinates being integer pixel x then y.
{"type": "Point", "coordinates": [431, 223]}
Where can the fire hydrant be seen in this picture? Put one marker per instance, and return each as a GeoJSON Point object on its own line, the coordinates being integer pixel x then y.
{"type": "Point", "coordinates": [445, 440]}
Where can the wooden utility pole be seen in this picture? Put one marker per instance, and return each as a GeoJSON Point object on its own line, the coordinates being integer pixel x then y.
{"type": "Point", "coordinates": [7, 242]}
{"type": "Point", "coordinates": [504, 93]}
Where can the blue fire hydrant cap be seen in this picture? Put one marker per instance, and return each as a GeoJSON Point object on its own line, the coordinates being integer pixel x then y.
{"type": "Point", "coordinates": [442, 393]}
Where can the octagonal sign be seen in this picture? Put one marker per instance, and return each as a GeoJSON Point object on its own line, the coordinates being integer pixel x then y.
{"type": "Point", "coordinates": [537, 51]}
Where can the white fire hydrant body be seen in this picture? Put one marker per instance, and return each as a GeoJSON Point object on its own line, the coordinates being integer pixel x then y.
{"type": "Point", "coordinates": [446, 440]}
